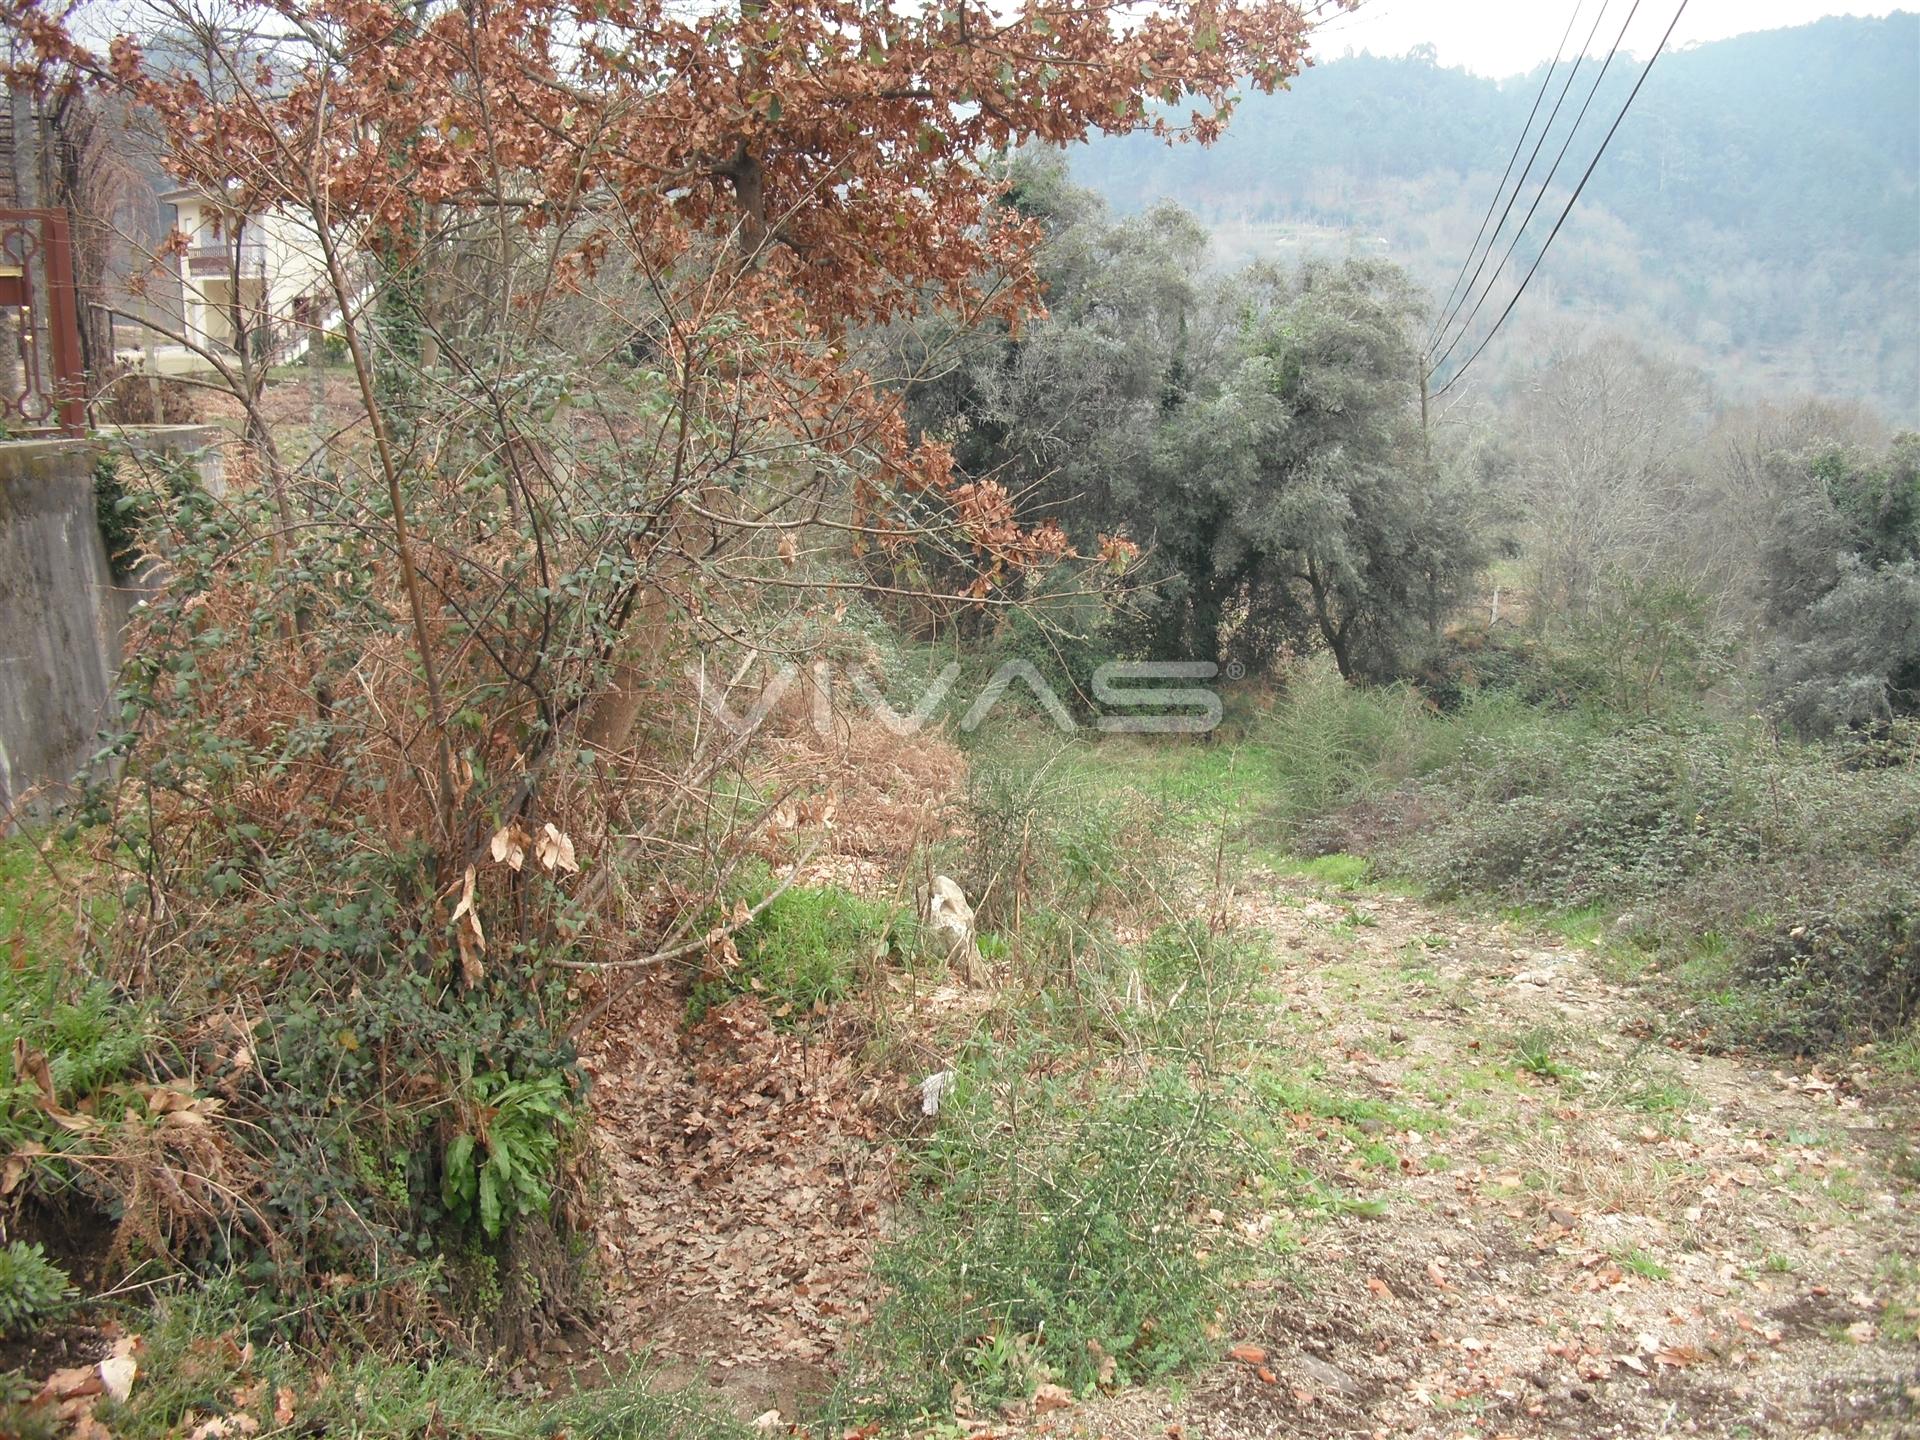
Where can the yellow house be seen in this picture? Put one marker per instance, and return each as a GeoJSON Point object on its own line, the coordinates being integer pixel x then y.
{"type": "Point", "coordinates": [262, 273]}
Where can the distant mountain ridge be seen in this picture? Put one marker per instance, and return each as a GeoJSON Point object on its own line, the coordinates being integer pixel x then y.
{"type": "Point", "coordinates": [1758, 212]}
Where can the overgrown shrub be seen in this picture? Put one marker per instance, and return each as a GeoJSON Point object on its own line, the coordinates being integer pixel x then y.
{"type": "Point", "coordinates": [1061, 630]}
{"type": "Point", "coordinates": [1184, 990]}
{"type": "Point", "coordinates": [1841, 967]}
{"type": "Point", "coordinates": [1057, 1239]}
{"type": "Point", "coordinates": [116, 516]}
{"type": "Point", "coordinates": [1043, 833]}
{"type": "Point", "coordinates": [218, 1359]}
{"type": "Point", "coordinates": [1798, 861]}
{"type": "Point", "coordinates": [293, 932]}
{"type": "Point", "coordinates": [1332, 742]}
{"type": "Point", "coordinates": [1565, 820]}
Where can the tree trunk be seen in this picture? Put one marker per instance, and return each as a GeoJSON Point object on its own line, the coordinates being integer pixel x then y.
{"type": "Point", "coordinates": [1334, 633]}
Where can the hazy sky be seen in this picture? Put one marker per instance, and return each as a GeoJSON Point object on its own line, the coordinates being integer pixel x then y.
{"type": "Point", "coordinates": [1505, 37]}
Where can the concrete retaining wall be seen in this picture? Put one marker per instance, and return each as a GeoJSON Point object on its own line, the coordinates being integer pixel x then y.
{"type": "Point", "coordinates": [62, 614]}
{"type": "Point", "coordinates": [60, 622]}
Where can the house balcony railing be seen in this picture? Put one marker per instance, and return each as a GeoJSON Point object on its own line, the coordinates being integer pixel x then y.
{"type": "Point", "coordinates": [217, 257]}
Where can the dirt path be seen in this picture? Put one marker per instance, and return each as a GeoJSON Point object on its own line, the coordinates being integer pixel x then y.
{"type": "Point", "coordinates": [1558, 1225]}
{"type": "Point", "coordinates": [1550, 1222]}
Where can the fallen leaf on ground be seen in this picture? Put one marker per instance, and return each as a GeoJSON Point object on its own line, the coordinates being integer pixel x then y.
{"type": "Point", "coordinates": [117, 1371]}
{"type": "Point", "coordinates": [1051, 1397]}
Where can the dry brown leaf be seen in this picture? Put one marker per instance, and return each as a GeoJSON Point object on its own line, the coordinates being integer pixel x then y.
{"type": "Point", "coordinates": [1051, 1397]}
{"type": "Point", "coordinates": [1107, 1374]}
{"type": "Point", "coordinates": [509, 845]}
{"type": "Point", "coordinates": [554, 850]}
{"type": "Point", "coordinates": [166, 1099]}
{"type": "Point", "coordinates": [200, 1112]}
{"type": "Point", "coordinates": [73, 1382]}
{"type": "Point", "coordinates": [472, 939]}
{"type": "Point", "coordinates": [30, 1064]}
{"type": "Point", "coordinates": [1248, 1354]}
{"type": "Point", "coordinates": [17, 1164]}
{"type": "Point", "coordinates": [225, 1427]}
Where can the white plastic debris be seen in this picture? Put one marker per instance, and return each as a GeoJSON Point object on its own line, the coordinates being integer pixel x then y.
{"type": "Point", "coordinates": [935, 1088]}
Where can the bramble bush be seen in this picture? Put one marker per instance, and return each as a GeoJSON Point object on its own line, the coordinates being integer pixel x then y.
{"type": "Point", "coordinates": [1046, 835]}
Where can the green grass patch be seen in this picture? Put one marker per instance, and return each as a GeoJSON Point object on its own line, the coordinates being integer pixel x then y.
{"type": "Point", "coordinates": [1306, 1095]}
{"type": "Point", "coordinates": [1076, 1207]}
{"type": "Point", "coordinates": [1586, 926]}
{"type": "Point", "coordinates": [51, 1007]}
{"type": "Point", "coordinates": [1061, 1235]}
{"type": "Point", "coordinates": [1901, 1054]}
{"type": "Point", "coordinates": [214, 1354]}
{"type": "Point", "coordinates": [1636, 1261]}
{"type": "Point", "coordinates": [1345, 871]}
{"type": "Point", "coordinates": [1538, 1052]}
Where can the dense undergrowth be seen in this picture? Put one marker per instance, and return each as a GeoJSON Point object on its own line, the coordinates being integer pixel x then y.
{"type": "Point", "coordinates": [1775, 881]}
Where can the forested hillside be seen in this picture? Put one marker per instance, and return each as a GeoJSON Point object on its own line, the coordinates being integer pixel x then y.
{"type": "Point", "coordinates": [1756, 213]}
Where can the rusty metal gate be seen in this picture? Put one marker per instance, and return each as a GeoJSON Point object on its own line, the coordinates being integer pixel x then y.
{"type": "Point", "coordinates": [42, 382]}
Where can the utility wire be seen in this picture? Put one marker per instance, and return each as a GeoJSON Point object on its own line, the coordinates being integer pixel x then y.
{"type": "Point", "coordinates": [1466, 326]}
{"type": "Point", "coordinates": [1455, 380]}
{"type": "Point", "coordinates": [1546, 82]}
{"type": "Point", "coordinates": [1573, 74]}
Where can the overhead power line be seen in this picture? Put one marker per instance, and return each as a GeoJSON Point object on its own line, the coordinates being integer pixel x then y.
{"type": "Point", "coordinates": [1466, 326]}
{"type": "Point", "coordinates": [1546, 82]}
{"type": "Point", "coordinates": [1594, 165]}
